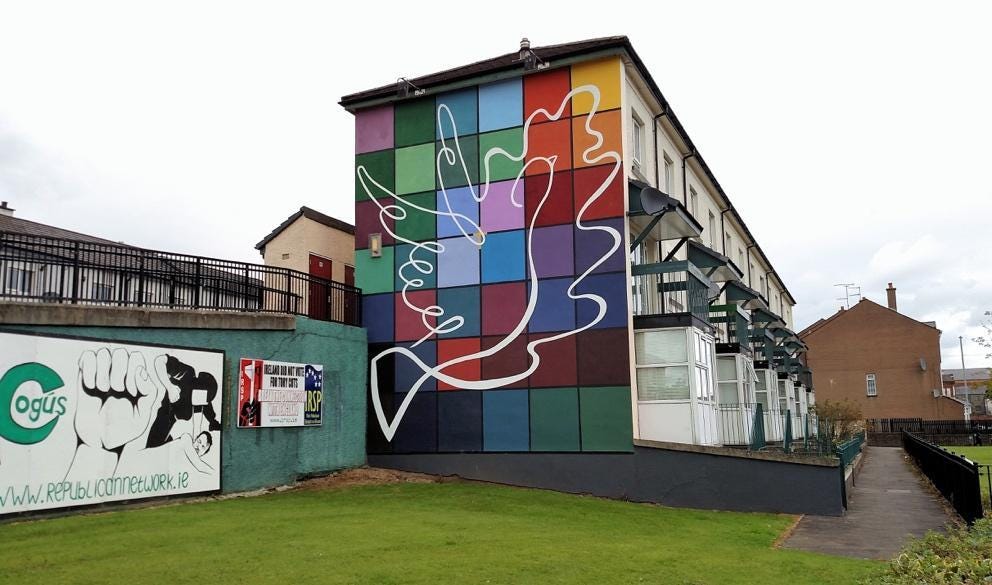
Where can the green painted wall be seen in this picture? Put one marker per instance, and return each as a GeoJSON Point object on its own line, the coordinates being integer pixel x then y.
{"type": "Point", "coordinates": [256, 458]}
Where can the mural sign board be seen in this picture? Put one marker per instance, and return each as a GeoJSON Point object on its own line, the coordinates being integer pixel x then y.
{"type": "Point", "coordinates": [279, 394]}
{"type": "Point", "coordinates": [88, 421]}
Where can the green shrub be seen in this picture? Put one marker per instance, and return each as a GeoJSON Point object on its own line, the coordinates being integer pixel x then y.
{"type": "Point", "coordinates": [961, 556]}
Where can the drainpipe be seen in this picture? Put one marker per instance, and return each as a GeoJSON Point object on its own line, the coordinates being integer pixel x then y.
{"type": "Point", "coordinates": [657, 167]}
{"type": "Point", "coordinates": [723, 231]}
{"type": "Point", "coordinates": [685, 194]}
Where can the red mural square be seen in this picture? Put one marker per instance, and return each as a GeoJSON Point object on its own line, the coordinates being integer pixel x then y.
{"type": "Point", "coordinates": [408, 322]}
{"type": "Point", "coordinates": [502, 307]}
{"type": "Point", "coordinates": [587, 181]}
{"type": "Point", "coordinates": [507, 362]}
{"type": "Point", "coordinates": [549, 139]}
{"type": "Point", "coordinates": [557, 367]}
{"type": "Point", "coordinates": [367, 222]}
{"type": "Point", "coordinates": [449, 349]}
{"type": "Point", "coordinates": [547, 90]}
{"type": "Point", "coordinates": [603, 357]}
{"type": "Point", "coordinates": [557, 208]}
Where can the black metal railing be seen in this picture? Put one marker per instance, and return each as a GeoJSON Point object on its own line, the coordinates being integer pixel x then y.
{"type": "Point", "coordinates": [955, 477]}
{"type": "Point", "coordinates": [920, 426]}
{"type": "Point", "coordinates": [53, 270]}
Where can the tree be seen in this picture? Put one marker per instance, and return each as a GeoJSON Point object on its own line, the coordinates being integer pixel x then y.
{"type": "Point", "coordinates": [986, 340]}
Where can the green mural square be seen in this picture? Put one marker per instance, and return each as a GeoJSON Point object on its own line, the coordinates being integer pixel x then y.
{"type": "Point", "coordinates": [500, 168]}
{"type": "Point", "coordinates": [374, 275]}
{"type": "Point", "coordinates": [554, 419]}
{"type": "Point", "coordinates": [414, 122]}
{"type": "Point", "coordinates": [465, 168]}
{"type": "Point", "coordinates": [419, 225]}
{"type": "Point", "coordinates": [606, 418]}
{"type": "Point", "coordinates": [402, 253]}
{"type": "Point", "coordinates": [381, 168]}
{"type": "Point", "coordinates": [415, 169]}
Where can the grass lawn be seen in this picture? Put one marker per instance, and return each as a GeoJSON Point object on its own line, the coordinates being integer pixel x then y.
{"type": "Point", "coordinates": [981, 455]}
{"type": "Point", "coordinates": [413, 533]}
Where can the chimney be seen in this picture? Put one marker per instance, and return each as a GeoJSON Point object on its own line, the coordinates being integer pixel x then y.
{"type": "Point", "coordinates": [4, 210]}
{"type": "Point", "coordinates": [891, 293]}
{"type": "Point", "coordinates": [524, 48]}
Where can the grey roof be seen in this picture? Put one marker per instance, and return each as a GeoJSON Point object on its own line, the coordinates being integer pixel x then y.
{"type": "Point", "coordinates": [311, 214]}
{"type": "Point", "coordinates": [967, 374]}
{"type": "Point", "coordinates": [17, 225]}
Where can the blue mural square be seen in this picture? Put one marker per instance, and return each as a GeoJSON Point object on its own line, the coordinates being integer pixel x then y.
{"type": "Point", "coordinates": [458, 201]}
{"type": "Point", "coordinates": [460, 302]}
{"type": "Point", "coordinates": [552, 251]}
{"type": "Point", "coordinates": [612, 288]}
{"type": "Point", "coordinates": [592, 245]}
{"type": "Point", "coordinates": [417, 432]}
{"type": "Point", "coordinates": [554, 311]}
{"type": "Point", "coordinates": [506, 423]}
{"type": "Point", "coordinates": [458, 263]}
{"type": "Point", "coordinates": [421, 266]}
{"type": "Point", "coordinates": [501, 105]}
{"type": "Point", "coordinates": [503, 257]}
{"type": "Point", "coordinates": [377, 317]}
{"type": "Point", "coordinates": [459, 415]}
{"type": "Point", "coordinates": [408, 372]}
{"type": "Point", "coordinates": [464, 108]}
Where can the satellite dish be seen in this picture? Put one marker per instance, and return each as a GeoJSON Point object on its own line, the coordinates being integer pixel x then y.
{"type": "Point", "coordinates": [653, 201]}
{"type": "Point", "coordinates": [923, 364]}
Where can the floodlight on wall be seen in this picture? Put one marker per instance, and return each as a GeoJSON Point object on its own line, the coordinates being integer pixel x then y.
{"type": "Point", "coordinates": [375, 245]}
{"type": "Point", "coordinates": [923, 364]}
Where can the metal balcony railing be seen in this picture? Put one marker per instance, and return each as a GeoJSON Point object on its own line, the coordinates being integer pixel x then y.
{"type": "Point", "coordinates": [668, 288]}
{"type": "Point", "coordinates": [54, 270]}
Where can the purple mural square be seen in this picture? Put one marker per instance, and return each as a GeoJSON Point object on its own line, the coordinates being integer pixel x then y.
{"type": "Point", "coordinates": [591, 245]}
{"type": "Point", "coordinates": [498, 211]}
{"type": "Point", "coordinates": [374, 129]}
{"type": "Point", "coordinates": [458, 264]}
{"type": "Point", "coordinates": [552, 251]}
{"type": "Point", "coordinates": [612, 288]}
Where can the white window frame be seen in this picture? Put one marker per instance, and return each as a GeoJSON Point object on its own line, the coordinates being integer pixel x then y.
{"type": "Point", "coordinates": [711, 227]}
{"type": "Point", "coordinates": [690, 371]}
{"type": "Point", "coordinates": [871, 385]}
{"type": "Point", "coordinates": [669, 175]}
{"type": "Point", "coordinates": [637, 141]}
{"type": "Point", "coordinates": [693, 203]}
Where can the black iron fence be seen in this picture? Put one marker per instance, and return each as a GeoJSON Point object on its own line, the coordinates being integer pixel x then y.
{"type": "Point", "coordinates": [920, 426]}
{"type": "Point", "coordinates": [41, 269]}
{"type": "Point", "coordinates": [955, 477]}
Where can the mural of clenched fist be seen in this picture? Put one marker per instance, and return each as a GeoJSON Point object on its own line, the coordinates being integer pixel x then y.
{"type": "Point", "coordinates": [117, 395]}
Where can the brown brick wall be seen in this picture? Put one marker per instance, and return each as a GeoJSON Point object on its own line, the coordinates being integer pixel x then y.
{"type": "Point", "coordinates": [870, 338]}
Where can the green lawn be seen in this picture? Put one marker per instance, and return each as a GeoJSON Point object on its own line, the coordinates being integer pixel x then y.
{"type": "Point", "coordinates": [981, 455]}
{"type": "Point", "coordinates": [460, 533]}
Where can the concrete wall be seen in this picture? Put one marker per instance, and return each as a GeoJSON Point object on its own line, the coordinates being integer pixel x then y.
{"type": "Point", "coordinates": [251, 458]}
{"type": "Point", "coordinates": [304, 237]}
{"type": "Point", "coordinates": [870, 338]}
{"type": "Point", "coordinates": [686, 477]}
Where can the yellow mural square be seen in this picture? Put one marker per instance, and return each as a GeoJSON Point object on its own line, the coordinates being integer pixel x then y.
{"type": "Point", "coordinates": [604, 74]}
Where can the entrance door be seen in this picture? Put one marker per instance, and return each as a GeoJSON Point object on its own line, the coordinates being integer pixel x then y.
{"type": "Point", "coordinates": [318, 301]}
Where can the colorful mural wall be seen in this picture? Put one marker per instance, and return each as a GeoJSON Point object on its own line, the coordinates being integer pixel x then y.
{"type": "Point", "coordinates": [497, 303]}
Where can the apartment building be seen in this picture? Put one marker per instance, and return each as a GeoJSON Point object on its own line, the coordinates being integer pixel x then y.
{"type": "Point", "coordinates": [548, 265]}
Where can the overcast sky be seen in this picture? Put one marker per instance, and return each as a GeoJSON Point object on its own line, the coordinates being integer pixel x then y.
{"type": "Point", "coordinates": [855, 138]}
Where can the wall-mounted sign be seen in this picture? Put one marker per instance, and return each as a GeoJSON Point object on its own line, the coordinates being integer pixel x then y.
{"type": "Point", "coordinates": [86, 422]}
{"type": "Point", "coordinates": [279, 394]}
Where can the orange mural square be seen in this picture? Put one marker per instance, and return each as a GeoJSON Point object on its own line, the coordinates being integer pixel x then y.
{"type": "Point", "coordinates": [606, 123]}
{"type": "Point", "coordinates": [449, 349]}
{"type": "Point", "coordinates": [549, 139]}
{"type": "Point", "coordinates": [547, 91]}
{"type": "Point", "coordinates": [610, 203]}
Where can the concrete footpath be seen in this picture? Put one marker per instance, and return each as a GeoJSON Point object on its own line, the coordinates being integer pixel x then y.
{"type": "Point", "coordinates": [888, 505]}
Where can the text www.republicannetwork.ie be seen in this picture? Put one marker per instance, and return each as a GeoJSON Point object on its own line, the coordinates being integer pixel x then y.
{"type": "Point", "coordinates": [87, 491]}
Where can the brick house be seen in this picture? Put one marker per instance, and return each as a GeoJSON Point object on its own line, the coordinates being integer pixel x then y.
{"type": "Point", "coordinates": [886, 362]}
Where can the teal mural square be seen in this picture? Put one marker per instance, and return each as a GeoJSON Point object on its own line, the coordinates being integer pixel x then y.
{"type": "Point", "coordinates": [499, 167]}
{"type": "Point", "coordinates": [505, 421]}
{"type": "Point", "coordinates": [379, 166]}
{"type": "Point", "coordinates": [503, 256]}
{"type": "Point", "coordinates": [414, 122]}
{"type": "Point", "coordinates": [554, 419]}
{"type": "Point", "coordinates": [501, 105]}
{"type": "Point", "coordinates": [460, 302]}
{"type": "Point", "coordinates": [415, 264]}
{"type": "Point", "coordinates": [457, 113]}
{"type": "Point", "coordinates": [374, 275]}
{"type": "Point", "coordinates": [419, 225]}
{"type": "Point", "coordinates": [606, 419]}
{"type": "Point", "coordinates": [463, 168]}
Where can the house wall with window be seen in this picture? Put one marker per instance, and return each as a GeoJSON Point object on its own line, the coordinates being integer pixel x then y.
{"type": "Point", "coordinates": [886, 362]}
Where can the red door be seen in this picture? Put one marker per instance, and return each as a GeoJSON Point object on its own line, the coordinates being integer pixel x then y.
{"type": "Point", "coordinates": [319, 299]}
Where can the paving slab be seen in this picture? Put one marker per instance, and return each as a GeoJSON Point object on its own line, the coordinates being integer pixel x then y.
{"type": "Point", "coordinates": [889, 504]}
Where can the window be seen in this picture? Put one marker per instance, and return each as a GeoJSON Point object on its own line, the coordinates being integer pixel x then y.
{"type": "Point", "coordinates": [662, 363]}
{"type": "Point", "coordinates": [783, 396]}
{"type": "Point", "coordinates": [637, 140]}
{"type": "Point", "coordinates": [740, 258]}
{"type": "Point", "coordinates": [704, 365]}
{"type": "Point", "coordinates": [729, 249]}
{"type": "Point", "coordinates": [870, 383]}
{"type": "Point", "coordinates": [670, 176]}
{"type": "Point", "coordinates": [712, 229]}
{"type": "Point", "coordinates": [19, 281]}
{"type": "Point", "coordinates": [693, 203]}
{"type": "Point", "coordinates": [761, 391]}
{"type": "Point", "coordinates": [726, 375]}
{"type": "Point", "coordinates": [761, 285]}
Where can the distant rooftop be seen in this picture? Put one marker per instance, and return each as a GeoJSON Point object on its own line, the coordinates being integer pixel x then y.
{"type": "Point", "coordinates": [311, 214]}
